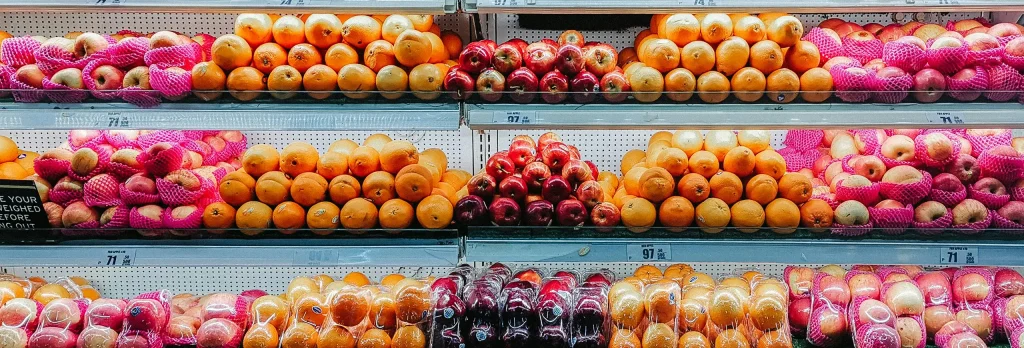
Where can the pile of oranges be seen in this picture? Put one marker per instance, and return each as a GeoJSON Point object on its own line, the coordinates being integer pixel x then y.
{"type": "Point", "coordinates": [15, 163]}
{"type": "Point", "coordinates": [716, 53]}
{"type": "Point", "coordinates": [383, 182]}
{"type": "Point", "coordinates": [323, 53]}
{"type": "Point", "coordinates": [718, 180]}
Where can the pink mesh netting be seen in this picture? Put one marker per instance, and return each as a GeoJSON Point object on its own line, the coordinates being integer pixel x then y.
{"type": "Point", "coordinates": [851, 230]}
{"type": "Point", "coordinates": [908, 57]}
{"type": "Point", "coordinates": [891, 90]}
{"type": "Point", "coordinates": [870, 139]}
{"type": "Point", "coordinates": [875, 336]}
{"type": "Point", "coordinates": [51, 169]}
{"type": "Point", "coordinates": [892, 220]}
{"type": "Point", "coordinates": [968, 89]}
{"type": "Point", "coordinates": [23, 92]}
{"type": "Point", "coordinates": [137, 338]}
{"type": "Point", "coordinates": [862, 50]}
{"type": "Point", "coordinates": [935, 227]}
{"type": "Point", "coordinates": [63, 94]}
{"type": "Point", "coordinates": [1016, 337]}
{"type": "Point", "coordinates": [120, 219]}
{"type": "Point", "coordinates": [102, 191]}
{"type": "Point", "coordinates": [1011, 227]}
{"type": "Point", "coordinates": [164, 161]}
{"type": "Point", "coordinates": [990, 200]}
{"type": "Point", "coordinates": [1017, 192]}
{"type": "Point", "coordinates": [6, 74]}
{"type": "Point", "coordinates": [176, 195]}
{"type": "Point", "coordinates": [942, 338]}
{"type": "Point", "coordinates": [128, 53]}
{"type": "Point", "coordinates": [962, 303]}
{"type": "Point", "coordinates": [122, 171]}
{"type": "Point", "coordinates": [203, 149]}
{"type": "Point", "coordinates": [65, 196]}
{"type": "Point", "coordinates": [162, 136]}
{"type": "Point", "coordinates": [798, 160]}
{"type": "Point", "coordinates": [852, 83]}
{"type": "Point", "coordinates": [982, 142]}
{"type": "Point", "coordinates": [947, 60]}
{"type": "Point", "coordinates": [17, 51]}
{"type": "Point", "coordinates": [908, 193]}
{"type": "Point", "coordinates": [172, 83]}
{"type": "Point", "coordinates": [139, 97]}
{"type": "Point", "coordinates": [1007, 169]}
{"type": "Point", "coordinates": [867, 195]}
{"type": "Point", "coordinates": [828, 47]}
{"type": "Point", "coordinates": [182, 56]}
{"type": "Point", "coordinates": [137, 198]}
{"type": "Point", "coordinates": [90, 83]}
{"type": "Point", "coordinates": [139, 221]}
{"type": "Point", "coordinates": [97, 139]}
{"type": "Point", "coordinates": [206, 47]}
{"type": "Point", "coordinates": [1004, 82]}
{"type": "Point", "coordinates": [800, 139]}
{"type": "Point", "coordinates": [949, 199]}
{"type": "Point", "coordinates": [51, 59]}
{"type": "Point", "coordinates": [921, 150]}
{"type": "Point", "coordinates": [973, 227]}
{"type": "Point", "coordinates": [814, 333]}
{"type": "Point", "coordinates": [830, 199]}
{"type": "Point", "coordinates": [191, 221]}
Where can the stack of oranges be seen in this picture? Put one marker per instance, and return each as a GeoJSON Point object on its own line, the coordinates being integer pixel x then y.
{"type": "Point", "coordinates": [716, 53]}
{"type": "Point", "coordinates": [15, 163]}
{"type": "Point", "coordinates": [323, 53]}
{"type": "Point", "coordinates": [383, 182]}
{"type": "Point", "coordinates": [715, 181]}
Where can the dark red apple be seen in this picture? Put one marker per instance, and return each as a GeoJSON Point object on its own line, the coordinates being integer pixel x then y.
{"type": "Point", "coordinates": [459, 81]}
{"type": "Point", "coordinates": [535, 173]}
{"type": "Point", "coordinates": [505, 212]}
{"type": "Point", "coordinates": [522, 85]}
{"type": "Point", "coordinates": [513, 187]}
{"type": "Point", "coordinates": [540, 58]}
{"type": "Point", "coordinates": [482, 185]}
{"type": "Point", "coordinates": [571, 212]}
{"type": "Point", "coordinates": [476, 57]}
{"type": "Point", "coordinates": [593, 168]}
{"type": "Point", "coordinates": [471, 211]}
{"type": "Point", "coordinates": [585, 87]}
{"type": "Point", "coordinates": [554, 86]}
{"type": "Point", "coordinates": [539, 213]}
{"type": "Point", "coordinates": [569, 60]}
{"type": "Point", "coordinates": [556, 189]}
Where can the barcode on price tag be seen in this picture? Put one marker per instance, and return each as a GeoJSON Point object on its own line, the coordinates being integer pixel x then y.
{"type": "Point", "coordinates": [514, 117]}
{"type": "Point", "coordinates": [648, 252]}
{"type": "Point", "coordinates": [958, 256]}
{"type": "Point", "coordinates": [117, 258]}
{"type": "Point", "coordinates": [946, 117]}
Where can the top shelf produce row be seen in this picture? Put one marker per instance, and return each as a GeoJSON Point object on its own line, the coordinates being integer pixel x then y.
{"type": "Point", "coordinates": [512, 6]}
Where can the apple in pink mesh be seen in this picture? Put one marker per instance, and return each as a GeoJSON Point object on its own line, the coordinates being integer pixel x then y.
{"type": "Point", "coordinates": [106, 313]}
{"type": "Point", "coordinates": [78, 213]}
{"type": "Point", "coordinates": [990, 186]}
{"type": "Point", "coordinates": [186, 179]}
{"type": "Point", "coordinates": [965, 168]}
{"type": "Point", "coordinates": [62, 313]}
{"type": "Point", "coordinates": [30, 75]}
{"type": "Point", "coordinates": [946, 42]}
{"type": "Point", "coordinates": [947, 182]}
{"type": "Point", "coordinates": [133, 340]}
{"type": "Point", "coordinates": [70, 77]}
{"type": "Point", "coordinates": [929, 85]}
{"type": "Point", "coordinates": [140, 183]}
{"type": "Point", "coordinates": [935, 317]}
{"type": "Point", "coordinates": [53, 337]}
{"type": "Point", "coordinates": [865, 284]}
{"type": "Point", "coordinates": [1004, 30]}
{"type": "Point", "coordinates": [19, 312]}
{"type": "Point", "coordinates": [979, 320]}
{"type": "Point", "coordinates": [979, 42]}
{"type": "Point", "coordinates": [910, 331]}
{"type": "Point", "coordinates": [834, 290]}
{"type": "Point", "coordinates": [13, 337]}
{"type": "Point", "coordinates": [970, 287]}
{"type": "Point", "coordinates": [88, 44]}
{"type": "Point", "coordinates": [1009, 282]}
{"type": "Point", "coordinates": [935, 287]}
{"type": "Point", "coordinates": [873, 311]}
{"type": "Point", "coordinates": [144, 314]}
{"type": "Point", "coordinates": [54, 214]}
{"type": "Point", "coordinates": [97, 337]}
{"type": "Point", "coordinates": [800, 312]}
{"type": "Point", "coordinates": [107, 78]}
{"type": "Point", "coordinates": [869, 167]}
{"type": "Point", "coordinates": [902, 175]}
{"type": "Point", "coordinates": [899, 148]}
{"type": "Point", "coordinates": [220, 305]}
{"type": "Point", "coordinates": [939, 147]}
{"type": "Point", "coordinates": [904, 298]}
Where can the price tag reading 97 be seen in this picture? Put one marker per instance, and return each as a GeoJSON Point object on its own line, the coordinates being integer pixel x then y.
{"type": "Point", "coordinates": [648, 252]}
{"type": "Point", "coordinates": [514, 117]}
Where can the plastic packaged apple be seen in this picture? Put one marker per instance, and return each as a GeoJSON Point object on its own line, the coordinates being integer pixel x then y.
{"type": "Point", "coordinates": [520, 320]}
{"type": "Point", "coordinates": [590, 318]}
{"type": "Point", "coordinates": [554, 306]}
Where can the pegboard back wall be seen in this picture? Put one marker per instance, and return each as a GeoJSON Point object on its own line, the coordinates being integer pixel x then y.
{"type": "Point", "coordinates": [502, 27]}
{"type": "Point", "coordinates": [51, 24]}
{"type": "Point", "coordinates": [451, 142]}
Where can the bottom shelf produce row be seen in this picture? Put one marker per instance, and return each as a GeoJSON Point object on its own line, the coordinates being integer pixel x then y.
{"type": "Point", "coordinates": [527, 306]}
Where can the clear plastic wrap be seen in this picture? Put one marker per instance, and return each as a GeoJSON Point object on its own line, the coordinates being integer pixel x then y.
{"type": "Point", "coordinates": [936, 288]}
{"type": "Point", "coordinates": [903, 297]}
{"type": "Point", "coordinates": [590, 316]}
{"type": "Point", "coordinates": [973, 288]}
{"type": "Point", "coordinates": [520, 322]}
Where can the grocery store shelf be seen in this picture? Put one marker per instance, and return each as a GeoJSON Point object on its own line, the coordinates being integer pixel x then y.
{"type": "Point", "coordinates": [434, 250]}
{"type": "Point", "coordinates": [489, 244]}
{"type": "Point", "coordinates": [794, 6]}
{"type": "Point", "coordinates": [211, 116]}
{"type": "Point", "coordinates": [274, 6]}
{"type": "Point", "coordinates": [740, 116]}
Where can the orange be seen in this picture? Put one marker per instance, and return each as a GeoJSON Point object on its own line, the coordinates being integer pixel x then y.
{"type": "Point", "coordinates": [11, 170]}
{"type": "Point", "coordinates": [783, 86]}
{"type": "Point", "coordinates": [396, 213]}
{"type": "Point", "coordinates": [795, 187]}
{"type": "Point", "coordinates": [288, 31]}
{"type": "Point", "coordinates": [698, 57]}
{"type": "Point", "coordinates": [816, 214]}
{"type": "Point", "coordinates": [762, 189]}
{"type": "Point", "coordinates": [363, 161]}
{"type": "Point", "coordinates": [243, 80]}
{"type": "Point", "coordinates": [726, 186]}
{"type": "Point", "coordinates": [660, 335]}
{"type": "Point", "coordinates": [253, 217]}
{"type": "Point", "coordinates": [379, 187]}
{"type": "Point", "coordinates": [457, 177]}
{"type": "Point", "coordinates": [712, 215]}
{"type": "Point", "coordinates": [298, 158]}
{"type": "Point", "coordinates": [435, 160]}
{"type": "Point", "coordinates": [739, 161]}
{"type": "Point", "coordinates": [320, 78]}
{"type": "Point", "coordinates": [393, 26]}
{"type": "Point", "coordinates": [379, 54]}
{"type": "Point", "coordinates": [260, 159]}
{"type": "Point", "coordinates": [416, 169]}
{"type": "Point", "coordinates": [716, 27]}
{"type": "Point", "coordinates": [391, 279]}
{"type": "Point", "coordinates": [660, 54]}
{"type": "Point", "coordinates": [630, 159]}
{"type": "Point", "coordinates": [631, 181]}
{"type": "Point", "coordinates": [322, 217]}
{"type": "Point", "coordinates": [694, 339]}
{"type": "Point", "coordinates": [254, 28]}
{"type": "Point", "coordinates": [816, 85]}
{"type": "Point", "coordinates": [409, 337]}
{"type": "Point", "coordinates": [640, 36]}
{"type": "Point", "coordinates": [624, 338]}
{"type": "Point", "coordinates": [300, 335]}
{"type": "Point", "coordinates": [230, 52]}
{"type": "Point", "coordinates": [336, 336]}
{"type": "Point", "coordinates": [421, 22]}
{"type": "Point", "coordinates": [397, 154]}
{"type": "Point", "coordinates": [438, 53]}
{"type": "Point", "coordinates": [392, 81]}
{"type": "Point", "coordinates": [356, 78]}
{"type": "Point", "coordinates": [356, 279]}
{"type": "Point", "coordinates": [774, 338]}
{"type": "Point", "coordinates": [748, 84]}
{"type": "Point", "coordinates": [657, 184]}
{"type": "Point", "coordinates": [766, 56]}
{"type": "Point", "coordinates": [412, 299]}
{"type": "Point", "coordinates": [434, 212]}
{"type": "Point", "coordinates": [783, 216]}
{"type": "Point", "coordinates": [207, 76]}
{"type": "Point", "coordinates": [273, 187]}
{"type": "Point", "coordinates": [304, 56]}
{"type": "Point", "coordinates": [713, 87]}
{"type": "Point", "coordinates": [747, 216]}
{"type": "Point", "coordinates": [681, 28]}
{"type": "Point", "coordinates": [286, 79]}
{"type": "Point", "coordinates": [349, 305]}
{"type": "Point", "coordinates": [674, 161]}
{"type": "Point", "coordinates": [308, 189]}
{"type": "Point", "coordinates": [704, 163]}
{"type": "Point", "coordinates": [694, 187]}
{"type": "Point", "coordinates": [259, 336]}
{"type": "Point", "coordinates": [638, 214]}
{"type": "Point", "coordinates": [731, 338]}
{"type": "Point", "coordinates": [413, 187]}
{"type": "Point", "coordinates": [359, 214]}
{"type": "Point", "coordinates": [732, 55]}
{"type": "Point", "coordinates": [771, 163]}
{"type": "Point", "coordinates": [647, 84]}
{"type": "Point", "coordinates": [786, 31]}
{"type": "Point", "coordinates": [332, 164]}
{"type": "Point", "coordinates": [676, 212]}
{"type": "Point", "coordinates": [268, 56]}
{"type": "Point", "coordinates": [323, 30]}
{"type": "Point", "coordinates": [339, 55]}
{"type": "Point", "coordinates": [452, 43]}
{"type": "Point", "coordinates": [750, 28]}
{"type": "Point", "coordinates": [413, 48]}
{"type": "Point", "coordinates": [289, 216]}
{"type": "Point", "coordinates": [425, 81]}
{"type": "Point", "coordinates": [218, 215]}
{"type": "Point", "coordinates": [679, 84]}
{"type": "Point", "coordinates": [375, 338]}
{"type": "Point", "coordinates": [344, 146]}
{"type": "Point", "coordinates": [803, 56]}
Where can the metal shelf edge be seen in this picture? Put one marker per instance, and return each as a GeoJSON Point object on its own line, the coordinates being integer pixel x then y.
{"type": "Point", "coordinates": [436, 7]}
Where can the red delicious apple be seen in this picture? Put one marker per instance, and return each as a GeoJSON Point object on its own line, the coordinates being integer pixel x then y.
{"type": "Point", "coordinates": [540, 58]}
{"type": "Point", "coordinates": [547, 139]}
{"type": "Point", "coordinates": [555, 156]}
{"type": "Point", "coordinates": [571, 212]}
{"type": "Point", "coordinates": [482, 185]}
{"type": "Point", "coordinates": [523, 85]}
{"type": "Point", "coordinates": [475, 58]}
{"type": "Point", "coordinates": [590, 193]}
{"type": "Point", "coordinates": [569, 60]}
{"type": "Point", "coordinates": [554, 86]}
{"type": "Point", "coordinates": [505, 212]}
{"type": "Point", "coordinates": [614, 86]}
{"type": "Point", "coordinates": [585, 87]}
{"type": "Point", "coordinates": [539, 213]}
{"type": "Point", "coordinates": [513, 187]}
{"type": "Point", "coordinates": [605, 214]}
{"type": "Point", "coordinates": [576, 172]}
{"type": "Point", "coordinates": [522, 153]}
{"type": "Point", "coordinates": [556, 189]}
{"type": "Point", "coordinates": [535, 173]}
{"type": "Point", "coordinates": [458, 80]}
{"type": "Point", "coordinates": [490, 84]}
{"type": "Point", "coordinates": [507, 58]}
{"type": "Point", "coordinates": [470, 211]}
{"type": "Point", "coordinates": [500, 166]}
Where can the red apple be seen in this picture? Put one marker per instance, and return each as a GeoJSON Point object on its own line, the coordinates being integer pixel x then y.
{"type": "Point", "coordinates": [490, 84]}
{"type": "Point", "coordinates": [965, 168]}
{"type": "Point", "coordinates": [847, 28]}
{"type": "Point", "coordinates": [569, 60]}
{"type": "Point", "coordinates": [555, 156]}
{"type": "Point", "coordinates": [522, 85]}
{"type": "Point", "coordinates": [482, 185]}
{"type": "Point", "coordinates": [800, 312]}
{"type": "Point", "coordinates": [929, 85]}
{"type": "Point", "coordinates": [513, 187]}
{"type": "Point", "coordinates": [535, 173]}
{"type": "Point", "coordinates": [614, 86]}
{"type": "Point", "coordinates": [459, 81]}
{"type": "Point", "coordinates": [554, 86]}
{"type": "Point", "coordinates": [1009, 282]}
{"type": "Point", "coordinates": [870, 167]}
{"type": "Point", "coordinates": [892, 32]}
{"type": "Point", "coordinates": [522, 153]}
{"type": "Point", "coordinates": [585, 87]}
{"type": "Point", "coordinates": [30, 75]}
{"type": "Point", "coordinates": [605, 214]}
{"type": "Point", "coordinates": [979, 42]}
{"type": "Point", "coordinates": [539, 213]}
{"type": "Point", "coordinates": [590, 193]}
{"type": "Point", "coordinates": [571, 212]}
{"type": "Point", "coordinates": [505, 212]}
{"type": "Point", "coordinates": [600, 59]}
{"type": "Point", "coordinates": [507, 58]}
{"type": "Point", "coordinates": [990, 186]}
{"type": "Point", "coordinates": [1013, 211]}
{"type": "Point", "coordinates": [475, 58]}
{"type": "Point", "coordinates": [570, 38]}
{"type": "Point", "coordinates": [547, 139]}
{"type": "Point", "coordinates": [576, 172]}
{"type": "Point", "coordinates": [556, 189]}
{"type": "Point", "coordinates": [500, 166]}
{"type": "Point", "coordinates": [1004, 30]}
{"type": "Point", "coordinates": [947, 182]}
{"type": "Point", "coordinates": [935, 287]}
{"type": "Point", "coordinates": [540, 58]}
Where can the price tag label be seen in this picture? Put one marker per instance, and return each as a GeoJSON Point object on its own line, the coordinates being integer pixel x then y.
{"type": "Point", "coordinates": [117, 258]}
{"type": "Point", "coordinates": [114, 120]}
{"type": "Point", "coordinates": [105, 2]}
{"type": "Point", "coordinates": [298, 3]}
{"type": "Point", "coordinates": [958, 256]}
{"type": "Point", "coordinates": [317, 257]}
{"type": "Point", "coordinates": [701, 3]}
{"type": "Point", "coordinates": [648, 252]}
{"type": "Point", "coordinates": [514, 117]}
{"type": "Point", "coordinates": [946, 117]}
{"type": "Point", "coordinates": [513, 3]}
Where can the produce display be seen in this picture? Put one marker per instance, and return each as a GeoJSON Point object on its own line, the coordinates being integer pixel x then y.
{"type": "Point", "coordinates": [497, 306]}
{"type": "Point", "coordinates": [15, 163]}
